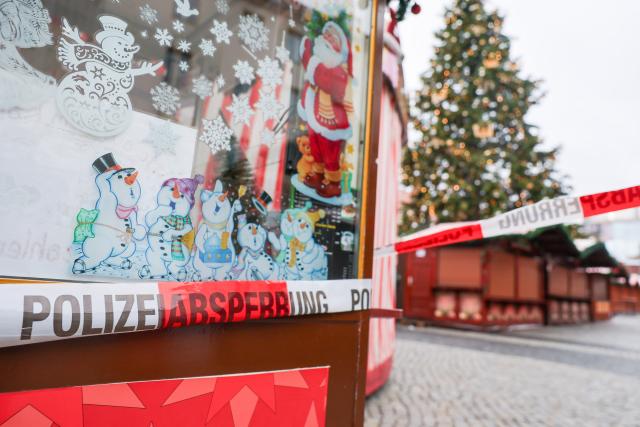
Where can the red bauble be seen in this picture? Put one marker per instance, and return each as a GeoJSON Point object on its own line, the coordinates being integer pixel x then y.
{"type": "Point", "coordinates": [415, 9]}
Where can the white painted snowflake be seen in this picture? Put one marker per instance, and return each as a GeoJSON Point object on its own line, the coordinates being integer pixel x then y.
{"type": "Point", "coordinates": [268, 104]}
{"type": "Point", "coordinates": [221, 31]}
{"type": "Point", "coordinates": [207, 47]}
{"type": "Point", "coordinates": [216, 134]}
{"type": "Point", "coordinates": [292, 23]}
{"type": "Point", "coordinates": [178, 26]}
{"type": "Point", "coordinates": [165, 98]}
{"type": "Point", "coordinates": [163, 37]}
{"type": "Point", "coordinates": [162, 138]}
{"type": "Point", "coordinates": [144, 34]}
{"type": "Point", "coordinates": [183, 66]}
{"type": "Point", "coordinates": [202, 87]}
{"type": "Point", "coordinates": [268, 137]}
{"type": "Point", "coordinates": [240, 109]}
{"type": "Point", "coordinates": [222, 6]}
{"type": "Point", "coordinates": [243, 72]}
{"type": "Point", "coordinates": [148, 14]}
{"type": "Point", "coordinates": [184, 46]}
{"type": "Point", "coordinates": [282, 53]}
{"type": "Point", "coordinates": [270, 72]}
{"type": "Point", "coordinates": [253, 33]}
{"type": "Point", "coordinates": [220, 82]}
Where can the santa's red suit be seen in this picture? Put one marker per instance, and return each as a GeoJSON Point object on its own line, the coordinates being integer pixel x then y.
{"type": "Point", "coordinates": [324, 105]}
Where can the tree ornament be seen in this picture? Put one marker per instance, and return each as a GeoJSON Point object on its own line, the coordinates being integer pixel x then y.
{"type": "Point", "coordinates": [483, 130]}
{"type": "Point", "coordinates": [492, 61]}
{"type": "Point", "coordinates": [416, 9]}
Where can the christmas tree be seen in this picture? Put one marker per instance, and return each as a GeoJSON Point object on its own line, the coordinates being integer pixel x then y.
{"type": "Point", "coordinates": [477, 155]}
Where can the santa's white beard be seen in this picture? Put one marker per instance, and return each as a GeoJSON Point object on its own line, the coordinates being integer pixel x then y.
{"type": "Point", "coordinates": [327, 56]}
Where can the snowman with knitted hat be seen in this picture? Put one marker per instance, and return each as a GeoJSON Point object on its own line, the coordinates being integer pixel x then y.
{"type": "Point", "coordinates": [171, 233]}
{"type": "Point", "coordinates": [325, 105]}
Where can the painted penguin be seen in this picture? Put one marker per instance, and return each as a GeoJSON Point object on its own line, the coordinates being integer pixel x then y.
{"type": "Point", "coordinates": [214, 252]}
{"type": "Point", "coordinates": [253, 262]}
{"type": "Point", "coordinates": [171, 233]}
{"type": "Point", "coordinates": [108, 232]}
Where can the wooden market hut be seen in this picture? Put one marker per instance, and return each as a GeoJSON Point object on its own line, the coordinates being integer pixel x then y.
{"type": "Point", "coordinates": [566, 289]}
{"type": "Point", "coordinates": [493, 282]}
{"type": "Point", "coordinates": [602, 270]}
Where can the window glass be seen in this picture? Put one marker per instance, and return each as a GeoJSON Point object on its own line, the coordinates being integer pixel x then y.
{"type": "Point", "coordinates": [182, 140]}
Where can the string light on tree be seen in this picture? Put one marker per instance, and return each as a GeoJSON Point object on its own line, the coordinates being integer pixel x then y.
{"type": "Point", "coordinates": [477, 154]}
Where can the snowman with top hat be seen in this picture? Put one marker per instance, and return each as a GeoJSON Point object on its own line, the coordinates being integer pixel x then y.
{"type": "Point", "coordinates": [107, 234]}
{"type": "Point", "coordinates": [94, 96]}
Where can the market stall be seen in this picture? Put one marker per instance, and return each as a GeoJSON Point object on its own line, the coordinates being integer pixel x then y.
{"type": "Point", "coordinates": [602, 268]}
{"type": "Point", "coordinates": [191, 235]}
{"type": "Point", "coordinates": [495, 282]}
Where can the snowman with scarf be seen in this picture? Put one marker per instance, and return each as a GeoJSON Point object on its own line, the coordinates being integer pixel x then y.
{"type": "Point", "coordinates": [215, 254]}
{"type": "Point", "coordinates": [108, 233]}
{"type": "Point", "coordinates": [171, 232]}
{"type": "Point", "coordinates": [304, 258]}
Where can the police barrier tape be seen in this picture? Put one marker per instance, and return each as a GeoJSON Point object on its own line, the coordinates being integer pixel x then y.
{"type": "Point", "coordinates": [560, 210]}
{"type": "Point", "coordinates": [31, 313]}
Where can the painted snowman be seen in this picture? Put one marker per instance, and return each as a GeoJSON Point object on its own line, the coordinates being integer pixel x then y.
{"type": "Point", "coordinates": [305, 259]}
{"type": "Point", "coordinates": [215, 254]}
{"type": "Point", "coordinates": [108, 233]}
{"type": "Point", "coordinates": [253, 262]}
{"type": "Point", "coordinates": [281, 242]}
{"type": "Point", "coordinates": [94, 97]}
{"type": "Point", "coordinates": [171, 232]}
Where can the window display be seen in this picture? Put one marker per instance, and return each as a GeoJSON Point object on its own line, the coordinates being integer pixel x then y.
{"type": "Point", "coordinates": [182, 141]}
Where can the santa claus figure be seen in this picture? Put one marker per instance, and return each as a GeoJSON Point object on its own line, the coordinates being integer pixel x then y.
{"type": "Point", "coordinates": [324, 105]}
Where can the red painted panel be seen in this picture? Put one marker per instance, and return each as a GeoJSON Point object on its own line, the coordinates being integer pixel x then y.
{"type": "Point", "coordinates": [294, 397]}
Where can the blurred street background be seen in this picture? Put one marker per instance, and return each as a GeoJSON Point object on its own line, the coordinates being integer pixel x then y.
{"type": "Point", "coordinates": [578, 375]}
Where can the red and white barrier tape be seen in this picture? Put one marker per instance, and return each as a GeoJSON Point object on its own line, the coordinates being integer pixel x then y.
{"type": "Point", "coordinates": [560, 210]}
{"type": "Point", "coordinates": [31, 313]}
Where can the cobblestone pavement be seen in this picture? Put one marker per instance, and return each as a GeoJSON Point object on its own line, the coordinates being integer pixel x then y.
{"type": "Point", "coordinates": [548, 378]}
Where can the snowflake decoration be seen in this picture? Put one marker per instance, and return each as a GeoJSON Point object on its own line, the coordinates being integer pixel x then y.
{"type": "Point", "coordinates": [240, 109]}
{"type": "Point", "coordinates": [202, 87]}
{"type": "Point", "coordinates": [115, 1]}
{"type": "Point", "coordinates": [183, 66]}
{"type": "Point", "coordinates": [216, 134]}
{"type": "Point", "coordinates": [148, 14]}
{"type": "Point", "coordinates": [163, 37]}
{"type": "Point", "coordinates": [253, 33]}
{"type": "Point", "coordinates": [184, 46]}
{"type": "Point", "coordinates": [268, 104]}
{"type": "Point", "coordinates": [144, 34]}
{"type": "Point", "coordinates": [292, 23]}
{"type": "Point", "coordinates": [207, 47]}
{"type": "Point", "coordinates": [222, 6]}
{"type": "Point", "coordinates": [220, 82]}
{"type": "Point", "coordinates": [162, 138]}
{"type": "Point", "coordinates": [165, 98]}
{"type": "Point", "coordinates": [268, 137]}
{"type": "Point", "coordinates": [178, 26]}
{"type": "Point", "coordinates": [270, 72]}
{"type": "Point", "coordinates": [221, 31]}
{"type": "Point", "coordinates": [282, 53]}
{"type": "Point", "coordinates": [243, 72]}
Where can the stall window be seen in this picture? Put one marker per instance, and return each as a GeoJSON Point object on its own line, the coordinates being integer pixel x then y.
{"type": "Point", "coordinates": [195, 140]}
